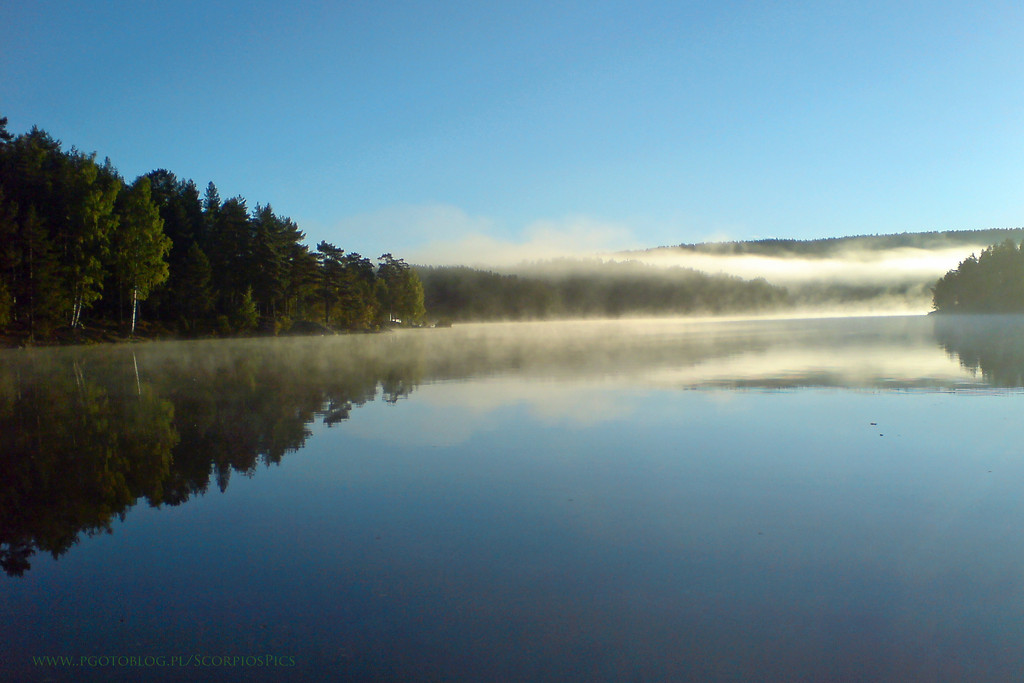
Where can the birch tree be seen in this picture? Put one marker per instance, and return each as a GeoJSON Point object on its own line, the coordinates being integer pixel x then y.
{"type": "Point", "coordinates": [139, 246]}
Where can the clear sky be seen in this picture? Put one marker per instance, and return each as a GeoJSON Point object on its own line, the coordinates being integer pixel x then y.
{"type": "Point", "coordinates": [433, 129]}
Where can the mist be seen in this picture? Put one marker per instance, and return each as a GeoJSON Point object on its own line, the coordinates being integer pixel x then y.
{"type": "Point", "coordinates": [865, 275]}
{"type": "Point", "coordinates": [853, 266]}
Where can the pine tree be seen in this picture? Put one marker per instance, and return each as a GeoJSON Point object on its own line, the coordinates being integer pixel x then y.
{"type": "Point", "coordinates": [268, 265]}
{"type": "Point", "coordinates": [231, 254]}
{"type": "Point", "coordinates": [9, 257]}
{"type": "Point", "coordinates": [194, 287]}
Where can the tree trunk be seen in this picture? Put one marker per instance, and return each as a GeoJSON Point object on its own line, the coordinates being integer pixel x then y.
{"type": "Point", "coordinates": [135, 308]}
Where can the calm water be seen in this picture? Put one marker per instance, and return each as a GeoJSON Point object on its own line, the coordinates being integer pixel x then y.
{"type": "Point", "coordinates": [773, 500]}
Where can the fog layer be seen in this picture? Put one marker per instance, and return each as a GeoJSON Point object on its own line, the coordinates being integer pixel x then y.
{"type": "Point", "coordinates": [906, 264]}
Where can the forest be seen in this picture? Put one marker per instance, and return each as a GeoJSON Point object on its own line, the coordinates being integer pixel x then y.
{"type": "Point", "coordinates": [582, 289]}
{"type": "Point", "coordinates": [992, 282]}
{"type": "Point", "coordinates": [838, 246]}
{"type": "Point", "coordinates": [86, 255]}
{"type": "Point", "coordinates": [82, 249]}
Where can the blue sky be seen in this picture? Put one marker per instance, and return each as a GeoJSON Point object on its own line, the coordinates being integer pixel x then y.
{"type": "Point", "coordinates": [436, 130]}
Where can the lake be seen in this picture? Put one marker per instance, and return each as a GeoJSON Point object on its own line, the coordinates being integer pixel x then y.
{"type": "Point", "coordinates": [831, 499]}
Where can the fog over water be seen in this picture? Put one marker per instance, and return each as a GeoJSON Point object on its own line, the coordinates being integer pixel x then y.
{"type": "Point", "coordinates": [663, 499]}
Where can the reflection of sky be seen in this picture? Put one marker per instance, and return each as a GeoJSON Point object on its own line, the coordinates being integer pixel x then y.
{"type": "Point", "coordinates": [579, 374]}
{"type": "Point", "coordinates": [586, 399]}
{"type": "Point", "coordinates": [625, 517]}
{"type": "Point", "coordinates": [864, 367]}
{"type": "Point", "coordinates": [485, 402]}
{"type": "Point", "coordinates": [801, 522]}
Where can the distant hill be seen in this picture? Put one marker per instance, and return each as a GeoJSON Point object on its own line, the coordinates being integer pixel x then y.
{"type": "Point", "coordinates": [837, 246]}
{"type": "Point", "coordinates": [863, 274]}
{"type": "Point", "coordinates": [573, 289]}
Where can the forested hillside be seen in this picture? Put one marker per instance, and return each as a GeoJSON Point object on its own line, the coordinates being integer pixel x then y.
{"type": "Point", "coordinates": [590, 289]}
{"type": "Point", "coordinates": [80, 246]}
{"type": "Point", "coordinates": [836, 246]}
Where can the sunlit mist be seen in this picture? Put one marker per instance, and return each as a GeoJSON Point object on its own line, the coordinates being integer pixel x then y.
{"type": "Point", "coordinates": [854, 266]}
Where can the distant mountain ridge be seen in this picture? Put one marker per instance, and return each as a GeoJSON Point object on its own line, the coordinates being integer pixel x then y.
{"type": "Point", "coordinates": [862, 273]}
{"type": "Point", "coordinates": [835, 246]}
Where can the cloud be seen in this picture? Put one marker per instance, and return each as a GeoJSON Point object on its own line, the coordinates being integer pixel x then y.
{"type": "Point", "coordinates": [540, 240]}
{"type": "Point", "coordinates": [442, 234]}
{"type": "Point", "coordinates": [404, 229]}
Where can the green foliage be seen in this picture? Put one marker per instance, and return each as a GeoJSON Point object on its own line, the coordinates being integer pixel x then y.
{"type": "Point", "coordinates": [990, 283]}
{"type": "Point", "coordinates": [231, 254]}
{"type": "Point", "coordinates": [73, 237]}
{"type": "Point", "coordinates": [349, 289]}
{"type": "Point", "coordinates": [411, 305]}
{"type": "Point", "coordinates": [400, 291]}
{"type": "Point", "coordinates": [245, 316]}
{"type": "Point", "coordinates": [38, 287]}
{"type": "Point", "coordinates": [578, 289]}
{"type": "Point", "coordinates": [138, 244]}
{"type": "Point", "coordinates": [81, 232]}
{"type": "Point", "coordinates": [194, 289]}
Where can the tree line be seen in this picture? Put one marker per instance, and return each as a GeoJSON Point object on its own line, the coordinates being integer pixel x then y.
{"type": "Point", "coordinates": [838, 246]}
{"type": "Point", "coordinates": [583, 289]}
{"type": "Point", "coordinates": [992, 282]}
{"type": "Point", "coordinates": [78, 243]}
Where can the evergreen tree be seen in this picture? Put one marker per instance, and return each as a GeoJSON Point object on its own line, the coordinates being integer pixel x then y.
{"type": "Point", "coordinates": [73, 237]}
{"type": "Point", "coordinates": [990, 283]}
{"type": "Point", "coordinates": [184, 223]}
{"type": "Point", "coordinates": [231, 254]}
{"type": "Point", "coordinates": [211, 201]}
{"type": "Point", "coordinates": [360, 308]}
{"type": "Point", "coordinates": [332, 273]}
{"type": "Point", "coordinates": [194, 288]}
{"type": "Point", "coordinates": [9, 257]}
{"type": "Point", "coordinates": [39, 280]}
{"type": "Point", "coordinates": [303, 279]}
{"type": "Point", "coordinates": [269, 266]}
{"type": "Point", "coordinates": [401, 291]}
{"type": "Point", "coordinates": [245, 316]}
{"type": "Point", "coordinates": [63, 216]}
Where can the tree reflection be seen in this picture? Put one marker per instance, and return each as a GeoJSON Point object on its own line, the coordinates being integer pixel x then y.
{"type": "Point", "coordinates": [74, 455]}
{"type": "Point", "coordinates": [84, 435]}
{"type": "Point", "coordinates": [990, 344]}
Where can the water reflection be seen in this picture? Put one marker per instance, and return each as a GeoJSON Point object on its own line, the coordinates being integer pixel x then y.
{"type": "Point", "coordinates": [74, 454]}
{"type": "Point", "coordinates": [85, 434]}
{"type": "Point", "coordinates": [992, 345]}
